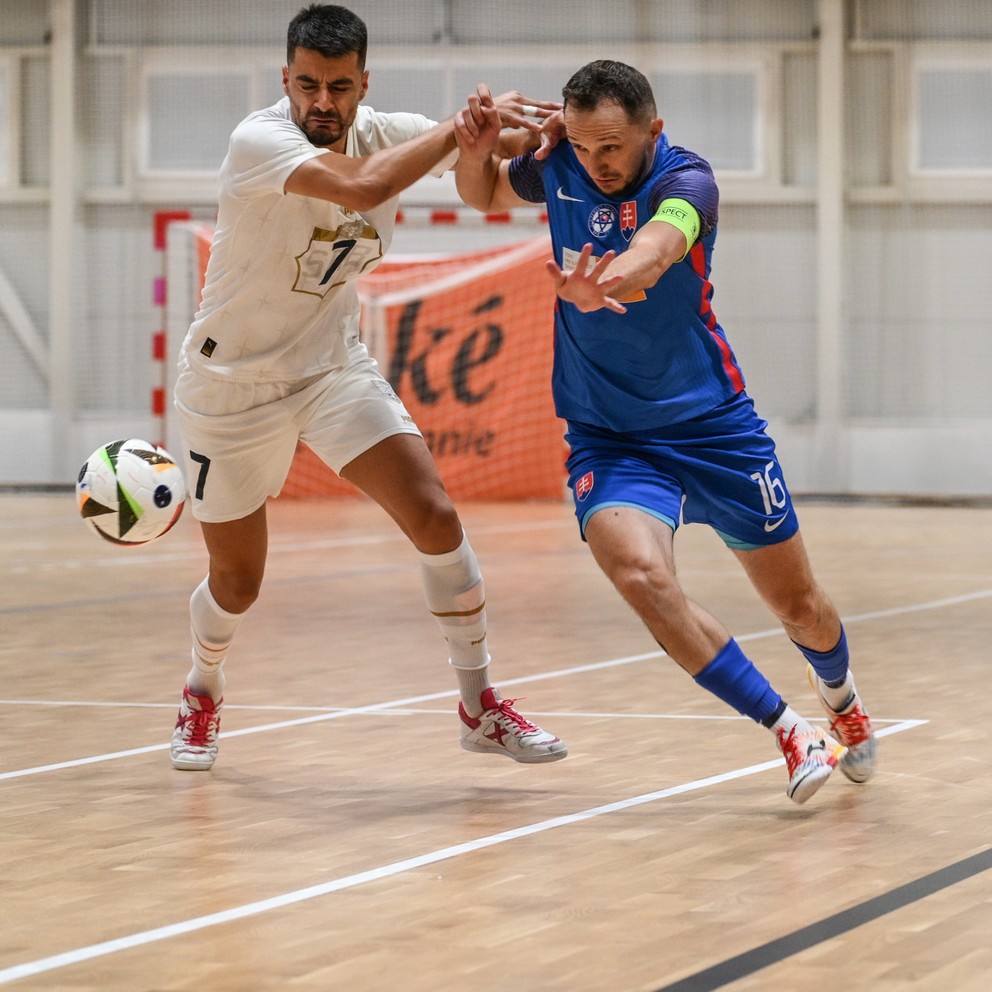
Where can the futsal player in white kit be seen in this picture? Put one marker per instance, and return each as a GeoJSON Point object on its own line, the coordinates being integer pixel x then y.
{"type": "Point", "coordinates": [308, 199]}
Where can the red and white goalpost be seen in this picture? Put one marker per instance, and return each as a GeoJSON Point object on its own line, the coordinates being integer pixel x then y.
{"type": "Point", "coordinates": [465, 340]}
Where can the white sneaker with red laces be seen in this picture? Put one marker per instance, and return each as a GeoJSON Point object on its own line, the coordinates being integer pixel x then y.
{"type": "Point", "coordinates": [502, 730]}
{"type": "Point", "coordinates": [194, 741]}
{"type": "Point", "coordinates": [810, 756]}
{"type": "Point", "coordinates": [853, 729]}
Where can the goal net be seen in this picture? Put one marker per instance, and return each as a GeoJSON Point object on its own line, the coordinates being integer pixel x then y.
{"type": "Point", "coordinates": [466, 342]}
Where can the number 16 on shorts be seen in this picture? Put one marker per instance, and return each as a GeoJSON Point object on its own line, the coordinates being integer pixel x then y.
{"type": "Point", "coordinates": [773, 494]}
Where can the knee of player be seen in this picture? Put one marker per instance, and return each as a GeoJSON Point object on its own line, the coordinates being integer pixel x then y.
{"type": "Point", "coordinates": [435, 523]}
{"type": "Point", "coordinates": [645, 585]}
{"type": "Point", "coordinates": [235, 590]}
{"type": "Point", "coordinates": [799, 607]}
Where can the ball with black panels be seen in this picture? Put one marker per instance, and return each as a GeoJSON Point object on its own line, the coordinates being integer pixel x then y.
{"type": "Point", "coordinates": [131, 492]}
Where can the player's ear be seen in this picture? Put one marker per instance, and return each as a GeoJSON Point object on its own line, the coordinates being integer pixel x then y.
{"type": "Point", "coordinates": [657, 126]}
{"type": "Point", "coordinates": [285, 79]}
{"type": "Point", "coordinates": [365, 85]}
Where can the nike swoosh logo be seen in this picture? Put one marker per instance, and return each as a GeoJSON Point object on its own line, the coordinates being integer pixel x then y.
{"type": "Point", "coordinates": [770, 526]}
{"type": "Point", "coordinates": [565, 196]}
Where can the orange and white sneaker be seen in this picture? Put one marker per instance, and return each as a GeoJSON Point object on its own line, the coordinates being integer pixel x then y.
{"type": "Point", "coordinates": [853, 729]}
{"type": "Point", "coordinates": [502, 730]}
{"type": "Point", "coordinates": [810, 756]}
{"type": "Point", "coordinates": [194, 741]}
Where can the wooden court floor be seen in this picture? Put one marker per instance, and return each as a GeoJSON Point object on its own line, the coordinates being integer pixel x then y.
{"type": "Point", "coordinates": [344, 841]}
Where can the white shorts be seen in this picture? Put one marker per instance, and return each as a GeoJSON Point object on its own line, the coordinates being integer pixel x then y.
{"type": "Point", "coordinates": [239, 438]}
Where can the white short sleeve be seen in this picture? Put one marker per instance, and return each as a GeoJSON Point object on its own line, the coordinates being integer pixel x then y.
{"type": "Point", "coordinates": [266, 149]}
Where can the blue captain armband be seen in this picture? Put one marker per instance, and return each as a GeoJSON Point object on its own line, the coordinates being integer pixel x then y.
{"type": "Point", "coordinates": [681, 214]}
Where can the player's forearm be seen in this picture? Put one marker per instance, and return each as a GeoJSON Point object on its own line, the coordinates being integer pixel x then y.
{"type": "Point", "coordinates": [517, 141]}
{"type": "Point", "coordinates": [363, 183]}
{"type": "Point", "coordinates": [477, 179]}
{"type": "Point", "coordinates": [390, 171]}
{"type": "Point", "coordinates": [643, 264]}
{"type": "Point", "coordinates": [639, 271]}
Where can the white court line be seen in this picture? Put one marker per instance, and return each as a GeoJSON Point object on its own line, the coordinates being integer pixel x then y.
{"type": "Point", "coordinates": [560, 673]}
{"type": "Point", "coordinates": [382, 707]}
{"type": "Point", "coordinates": [81, 954]}
{"type": "Point", "coordinates": [321, 717]}
{"type": "Point", "coordinates": [280, 725]}
{"type": "Point", "coordinates": [286, 543]}
{"type": "Point", "coordinates": [933, 604]}
{"type": "Point", "coordinates": [406, 711]}
{"type": "Point", "coordinates": [106, 704]}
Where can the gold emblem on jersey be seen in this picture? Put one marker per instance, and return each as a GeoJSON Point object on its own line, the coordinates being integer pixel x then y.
{"type": "Point", "coordinates": [333, 257]}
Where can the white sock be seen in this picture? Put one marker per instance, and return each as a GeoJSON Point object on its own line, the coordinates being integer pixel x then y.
{"type": "Point", "coordinates": [838, 698]}
{"type": "Point", "coordinates": [456, 596]}
{"type": "Point", "coordinates": [212, 629]}
{"type": "Point", "coordinates": [789, 719]}
{"type": "Point", "coordinates": [472, 683]}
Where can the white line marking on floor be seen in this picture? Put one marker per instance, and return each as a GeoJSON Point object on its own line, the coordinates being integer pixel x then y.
{"type": "Point", "coordinates": [447, 694]}
{"type": "Point", "coordinates": [81, 954]}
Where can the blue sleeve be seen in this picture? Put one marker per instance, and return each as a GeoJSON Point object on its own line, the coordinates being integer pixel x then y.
{"type": "Point", "coordinates": [691, 179]}
{"type": "Point", "coordinates": [526, 178]}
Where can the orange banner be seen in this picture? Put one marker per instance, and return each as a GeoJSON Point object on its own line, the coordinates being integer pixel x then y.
{"type": "Point", "coordinates": [469, 342]}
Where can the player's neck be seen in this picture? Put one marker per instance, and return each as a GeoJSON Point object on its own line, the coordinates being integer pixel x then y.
{"type": "Point", "coordinates": [644, 172]}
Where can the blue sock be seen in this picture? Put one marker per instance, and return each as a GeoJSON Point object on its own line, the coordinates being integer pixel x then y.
{"type": "Point", "coordinates": [831, 666]}
{"type": "Point", "coordinates": [732, 677]}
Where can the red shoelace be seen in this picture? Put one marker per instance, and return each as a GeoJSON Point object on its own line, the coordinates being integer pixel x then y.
{"type": "Point", "coordinates": [852, 728]}
{"type": "Point", "coordinates": [506, 708]}
{"type": "Point", "coordinates": [201, 726]}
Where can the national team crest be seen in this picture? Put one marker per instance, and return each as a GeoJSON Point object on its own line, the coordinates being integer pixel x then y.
{"type": "Point", "coordinates": [602, 220]}
{"type": "Point", "coordinates": [584, 486]}
{"type": "Point", "coordinates": [628, 219]}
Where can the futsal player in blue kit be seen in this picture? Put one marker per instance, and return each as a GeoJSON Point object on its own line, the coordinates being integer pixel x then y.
{"type": "Point", "coordinates": [660, 427]}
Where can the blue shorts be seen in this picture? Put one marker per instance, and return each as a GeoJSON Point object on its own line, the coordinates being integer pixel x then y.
{"type": "Point", "coordinates": [718, 469]}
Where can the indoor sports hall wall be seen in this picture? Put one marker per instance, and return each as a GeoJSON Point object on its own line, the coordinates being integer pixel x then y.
{"type": "Point", "coordinates": [850, 140]}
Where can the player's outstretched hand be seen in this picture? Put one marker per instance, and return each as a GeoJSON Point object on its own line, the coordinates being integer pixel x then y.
{"type": "Point", "coordinates": [587, 287]}
{"type": "Point", "coordinates": [516, 110]}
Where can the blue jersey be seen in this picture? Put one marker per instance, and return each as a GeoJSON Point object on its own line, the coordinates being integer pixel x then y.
{"type": "Point", "coordinates": [664, 361]}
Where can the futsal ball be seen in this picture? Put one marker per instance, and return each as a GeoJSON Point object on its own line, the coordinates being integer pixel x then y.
{"type": "Point", "coordinates": [130, 492]}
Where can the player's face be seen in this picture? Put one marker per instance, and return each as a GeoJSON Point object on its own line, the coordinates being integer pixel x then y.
{"type": "Point", "coordinates": [613, 149]}
{"type": "Point", "coordinates": [324, 95]}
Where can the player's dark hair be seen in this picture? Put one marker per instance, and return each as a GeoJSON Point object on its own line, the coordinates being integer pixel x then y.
{"type": "Point", "coordinates": [615, 81]}
{"type": "Point", "coordinates": [330, 30]}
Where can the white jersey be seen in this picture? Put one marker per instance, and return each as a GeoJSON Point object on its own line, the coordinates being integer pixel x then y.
{"type": "Point", "coordinates": [280, 301]}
